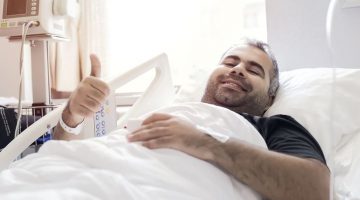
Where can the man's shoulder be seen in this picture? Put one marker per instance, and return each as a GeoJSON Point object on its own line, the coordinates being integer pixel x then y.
{"type": "Point", "coordinates": [261, 120]}
{"type": "Point", "coordinates": [276, 124]}
{"type": "Point", "coordinates": [284, 134]}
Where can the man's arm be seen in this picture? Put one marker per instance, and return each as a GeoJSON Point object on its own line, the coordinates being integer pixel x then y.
{"type": "Point", "coordinates": [83, 102]}
{"type": "Point", "coordinates": [69, 120]}
{"type": "Point", "coordinates": [273, 175]}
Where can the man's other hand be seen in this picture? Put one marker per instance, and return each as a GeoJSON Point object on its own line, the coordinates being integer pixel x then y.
{"type": "Point", "coordinates": [167, 131]}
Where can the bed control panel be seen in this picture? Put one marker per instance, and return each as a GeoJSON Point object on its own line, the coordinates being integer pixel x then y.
{"type": "Point", "coordinates": [103, 122]}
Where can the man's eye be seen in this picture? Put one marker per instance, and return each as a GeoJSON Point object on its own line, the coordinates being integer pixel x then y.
{"type": "Point", "coordinates": [254, 72]}
{"type": "Point", "coordinates": [230, 64]}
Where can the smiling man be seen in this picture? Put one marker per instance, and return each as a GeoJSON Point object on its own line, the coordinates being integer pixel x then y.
{"type": "Point", "coordinates": [245, 82]}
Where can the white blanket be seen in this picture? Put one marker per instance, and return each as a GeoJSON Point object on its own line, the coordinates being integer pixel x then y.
{"type": "Point", "coordinates": [111, 168]}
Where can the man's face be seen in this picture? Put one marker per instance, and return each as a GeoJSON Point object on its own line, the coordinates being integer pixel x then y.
{"type": "Point", "coordinates": [241, 82]}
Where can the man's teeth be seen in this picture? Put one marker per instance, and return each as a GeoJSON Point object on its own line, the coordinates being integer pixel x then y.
{"type": "Point", "coordinates": [233, 84]}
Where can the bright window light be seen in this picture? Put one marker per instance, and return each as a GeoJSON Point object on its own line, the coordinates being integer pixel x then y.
{"type": "Point", "coordinates": [194, 33]}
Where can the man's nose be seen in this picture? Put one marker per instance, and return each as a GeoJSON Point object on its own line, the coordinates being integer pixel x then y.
{"type": "Point", "coordinates": [238, 70]}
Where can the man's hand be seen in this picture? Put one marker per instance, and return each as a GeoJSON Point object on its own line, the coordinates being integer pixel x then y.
{"type": "Point", "coordinates": [167, 131]}
{"type": "Point", "coordinates": [84, 101]}
{"type": "Point", "coordinates": [88, 96]}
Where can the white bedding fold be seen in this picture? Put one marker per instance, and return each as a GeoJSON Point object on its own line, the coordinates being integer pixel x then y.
{"type": "Point", "coordinates": [111, 168]}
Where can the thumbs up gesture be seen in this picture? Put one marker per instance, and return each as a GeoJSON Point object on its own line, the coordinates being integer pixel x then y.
{"type": "Point", "coordinates": [87, 97]}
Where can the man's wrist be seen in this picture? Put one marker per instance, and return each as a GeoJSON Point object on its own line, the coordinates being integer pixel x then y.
{"type": "Point", "coordinates": [211, 147]}
{"type": "Point", "coordinates": [69, 119]}
{"type": "Point", "coordinates": [71, 123]}
{"type": "Point", "coordinates": [218, 136]}
{"type": "Point", "coordinates": [73, 130]}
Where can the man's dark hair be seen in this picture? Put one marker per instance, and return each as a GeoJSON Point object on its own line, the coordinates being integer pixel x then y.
{"type": "Point", "coordinates": [274, 75]}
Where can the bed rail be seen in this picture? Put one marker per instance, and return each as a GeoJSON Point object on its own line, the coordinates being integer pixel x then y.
{"type": "Point", "coordinates": [159, 93]}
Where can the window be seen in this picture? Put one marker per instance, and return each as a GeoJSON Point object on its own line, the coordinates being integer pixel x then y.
{"type": "Point", "coordinates": [194, 33]}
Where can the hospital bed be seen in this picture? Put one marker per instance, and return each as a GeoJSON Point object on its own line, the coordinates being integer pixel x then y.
{"type": "Point", "coordinates": [325, 100]}
{"type": "Point", "coordinates": [116, 167]}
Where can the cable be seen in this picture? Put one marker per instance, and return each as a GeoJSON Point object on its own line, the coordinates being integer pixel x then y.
{"type": "Point", "coordinates": [25, 28]}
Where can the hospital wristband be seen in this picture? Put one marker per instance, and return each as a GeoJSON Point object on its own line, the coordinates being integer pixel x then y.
{"type": "Point", "coordinates": [68, 129]}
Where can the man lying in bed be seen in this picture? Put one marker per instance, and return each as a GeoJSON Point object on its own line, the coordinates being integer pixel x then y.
{"type": "Point", "coordinates": [245, 82]}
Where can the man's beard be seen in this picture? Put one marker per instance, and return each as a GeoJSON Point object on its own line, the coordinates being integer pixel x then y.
{"type": "Point", "coordinates": [240, 102]}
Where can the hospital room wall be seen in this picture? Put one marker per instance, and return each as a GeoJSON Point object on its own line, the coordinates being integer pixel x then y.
{"type": "Point", "coordinates": [297, 33]}
{"type": "Point", "coordinates": [10, 70]}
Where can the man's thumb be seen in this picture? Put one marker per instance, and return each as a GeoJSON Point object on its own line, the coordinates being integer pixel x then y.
{"type": "Point", "coordinates": [95, 66]}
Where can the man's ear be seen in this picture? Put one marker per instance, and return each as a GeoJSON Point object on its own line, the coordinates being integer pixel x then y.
{"type": "Point", "coordinates": [270, 102]}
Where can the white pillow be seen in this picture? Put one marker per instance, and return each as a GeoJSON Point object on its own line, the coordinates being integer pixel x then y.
{"type": "Point", "coordinates": [193, 88]}
{"type": "Point", "coordinates": [326, 101]}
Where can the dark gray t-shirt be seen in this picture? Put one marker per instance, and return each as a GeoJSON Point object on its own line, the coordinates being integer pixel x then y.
{"type": "Point", "coordinates": [284, 134]}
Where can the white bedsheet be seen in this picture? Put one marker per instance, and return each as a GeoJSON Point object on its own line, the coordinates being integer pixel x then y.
{"type": "Point", "coordinates": [111, 168]}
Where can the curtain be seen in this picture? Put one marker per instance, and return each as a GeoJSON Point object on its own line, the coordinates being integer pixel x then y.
{"type": "Point", "coordinates": [69, 61]}
{"type": "Point", "coordinates": [92, 37]}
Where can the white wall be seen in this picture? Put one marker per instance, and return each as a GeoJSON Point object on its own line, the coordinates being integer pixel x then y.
{"type": "Point", "coordinates": [297, 33]}
{"type": "Point", "coordinates": [345, 34]}
{"type": "Point", "coordinates": [10, 69]}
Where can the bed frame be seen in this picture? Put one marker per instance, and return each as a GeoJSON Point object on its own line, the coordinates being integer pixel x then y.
{"type": "Point", "coordinates": [159, 93]}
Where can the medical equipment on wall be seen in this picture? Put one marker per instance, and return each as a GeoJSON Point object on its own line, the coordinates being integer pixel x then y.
{"type": "Point", "coordinates": [159, 93]}
{"type": "Point", "coordinates": [50, 14]}
{"type": "Point", "coordinates": [48, 19]}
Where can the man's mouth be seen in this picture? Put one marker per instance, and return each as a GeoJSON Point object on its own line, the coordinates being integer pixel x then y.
{"type": "Point", "coordinates": [235, 85]}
